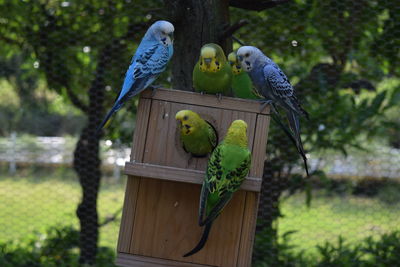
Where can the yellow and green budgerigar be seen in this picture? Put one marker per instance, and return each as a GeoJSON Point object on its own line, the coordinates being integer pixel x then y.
{"type": "Point", "coordinates": [212, 73]}
{"type": "Point", "coordinates": [242, 86]}
{"type": "Point", "coordinates": [227, 168]}
{"type": "Point", "coordinates": [198, 136]}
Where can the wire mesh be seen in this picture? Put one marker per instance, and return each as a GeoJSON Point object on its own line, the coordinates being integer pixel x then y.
{"type": "Point", "coordinates": [63, 62]}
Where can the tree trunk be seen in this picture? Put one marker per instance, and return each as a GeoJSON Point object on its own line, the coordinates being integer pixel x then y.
{"type": "Point", "coordinates": [196, 23]}
{"type": "Point", "coordinates": [87, 165]}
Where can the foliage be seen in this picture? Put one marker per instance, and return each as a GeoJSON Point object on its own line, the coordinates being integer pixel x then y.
{"type": "Point", "coordinates": [27, 106]}
{"type": "Point", "coordinates": [327, 48]}
{"type": "Point", "coordinates": [57, 247]}
{"type": "Point", "coordinates": [384, 251]}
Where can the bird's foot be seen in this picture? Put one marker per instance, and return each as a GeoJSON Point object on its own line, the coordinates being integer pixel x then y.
{"type": "Point", "coordinates": [274, 109]}
{"type": "Point", "coordinates": [154, 89]}
{"type": "Point", "coordinates": [264, 104]}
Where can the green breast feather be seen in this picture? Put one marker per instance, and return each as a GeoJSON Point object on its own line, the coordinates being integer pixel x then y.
{"type": "Point", "coordinates": [242, 86]}
{"type": "Point", "coordinates": [213, 82]}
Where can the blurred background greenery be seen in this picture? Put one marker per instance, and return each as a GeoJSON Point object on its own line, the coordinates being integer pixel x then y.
{"type": "Point", "coordinates": [62, 64]}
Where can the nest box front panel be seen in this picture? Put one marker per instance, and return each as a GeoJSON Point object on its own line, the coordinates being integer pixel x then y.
{"type": "Point", "coordinates": [166, 224]}
{"type": "Point", "coordinates": [163, 146]}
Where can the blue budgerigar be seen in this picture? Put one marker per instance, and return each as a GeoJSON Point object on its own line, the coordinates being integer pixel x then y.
{"type": "Point", "coordinates": [149, 61]}
{"type": "Point", "coordinates": [275, 87]}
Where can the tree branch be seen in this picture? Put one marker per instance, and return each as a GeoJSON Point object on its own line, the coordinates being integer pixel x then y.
{"type": "Point", "coordinates": [75, 100]}
{"type": "Point", "coordinates": [357, 85]}
{"type": "Point", "coordinates": [110, 218]}
{"type": "Point", "coordinates": [228, 31]}
{"type": "Point", "coordinates": [238, 40]}
{"type": "Point", "coordinates": [256, 5]}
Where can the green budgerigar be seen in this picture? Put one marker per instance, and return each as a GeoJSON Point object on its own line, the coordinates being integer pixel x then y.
{"type": "Point", "coordinates": [242, 85]}
{"type": "Point", "coordinates": [198, 136]}
{"type": "Point", "coordinates": [212, 74]}
{"type": "Point", "coordinates": [227, 168]}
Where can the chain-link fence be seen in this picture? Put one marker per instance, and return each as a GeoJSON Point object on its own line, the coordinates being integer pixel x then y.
{"type": "Point", "coordinates": [63, 62]}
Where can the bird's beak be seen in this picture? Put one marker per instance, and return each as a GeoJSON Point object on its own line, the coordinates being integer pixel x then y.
{"type": "Point", "coordinates": [171, 36]}
{"type": "Point", "coordinates": [239, 58]}
{"type": "Point", "coordinates": [207, 61]}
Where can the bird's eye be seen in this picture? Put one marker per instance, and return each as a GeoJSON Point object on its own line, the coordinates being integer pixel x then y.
{"type": "Point", "coordinates": [163, 32]}
{"type": "Point", "coordinates": [247, 54]}
{"type": "Point", "coordinates": [185, 118]}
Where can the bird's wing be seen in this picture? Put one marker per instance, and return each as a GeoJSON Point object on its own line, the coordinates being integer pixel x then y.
{"type": "Point", "coordinates": [144, 69]}
{"type": "Point", "coordinates": [212, 135]}
{"type": "Point", "coordinates": [277, 81]}
{"type": "Point", "coordinates": [224, 185]}
{"type": "Point", "coordinates": [281, 89]}
{"type": "Point", "coordinates": [153, 61]}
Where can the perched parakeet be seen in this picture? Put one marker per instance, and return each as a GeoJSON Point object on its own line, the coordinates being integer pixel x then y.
{"type": "Point", "coordinates": [227, 168]}
{"type": "Point", "coordinates": [149, 61]}
{"type": "Point", "coordinates": [197, 135]}
{"type": "Point", "coordinates": [242, 87]}
{"type": "Point", "coordinates": [212, 73]}
{"type": "Point", "coordinates": [275, 87]}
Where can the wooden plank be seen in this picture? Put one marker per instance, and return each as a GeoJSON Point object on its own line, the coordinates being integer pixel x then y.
{"type": "Point", "coordinates": [248, 229]}
{"type": "Point", "coordinates": [259, 146]}
{"type": "Point", "coordinates": [193, 98]}
{"type": "Point", "coordinates": [180, 175]}
{"type": "Point", "coordinates": [139, 137]}
{"type": "Point", "coordinates": [128, 213]}
{"type": "Point", "coordinates": [166, 224]}
{"type": "Point", "coordinates": [128, 260]}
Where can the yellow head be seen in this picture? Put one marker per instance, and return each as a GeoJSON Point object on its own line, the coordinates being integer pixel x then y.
{"type": "Point", "coordinates": [235, 64]}
{"type": "Point", "coordinates": [188, 120]}
{"type": "Point", "coordinates": [211, 58]}
{"type": "Point", "coordinates": [237, 133]}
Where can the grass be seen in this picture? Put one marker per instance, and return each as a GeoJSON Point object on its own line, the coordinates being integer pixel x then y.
{"type": "Point", "coordinates": [29, 204]}
{"type": "Point", "coordinates": [352, 217]}
{"type": "Point", "coordinates": [33, 201]}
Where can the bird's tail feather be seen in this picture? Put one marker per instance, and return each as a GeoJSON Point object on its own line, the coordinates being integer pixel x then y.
{"type": "Point", "coordinates": [293, 104]}
{"type": "Point", "coordinates": [203, 201]}
{"type": "Point", "coordinates": [202, 241]}
{"type": "Point", "coordinates": [295, 126]}
{"type": "Point", "coordinates": [216, 210]}
{"type": "Point", "coordinates": [115, 108]}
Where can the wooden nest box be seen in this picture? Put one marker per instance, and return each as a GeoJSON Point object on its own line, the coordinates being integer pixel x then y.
{"type": "Point", "coordinates": [160, 214]}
